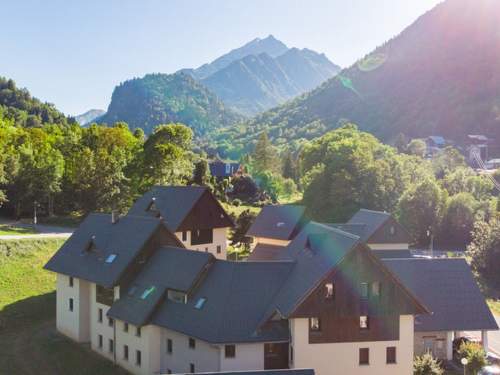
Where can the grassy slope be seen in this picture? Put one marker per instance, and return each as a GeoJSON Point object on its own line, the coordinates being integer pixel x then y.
{"type": "Point", "coordinates": [494, 306]}
{"type": "Point", "coordinates": [6, 230]}
{"type": "Point", "coordinates": [27, 317]}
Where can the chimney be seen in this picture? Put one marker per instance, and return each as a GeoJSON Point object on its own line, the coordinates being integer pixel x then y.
{"type": "Point", "coordinates": [114, 217]}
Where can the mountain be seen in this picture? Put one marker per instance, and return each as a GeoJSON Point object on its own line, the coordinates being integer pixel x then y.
{"type": "Point", "coordinates": [269, 45]}
{"type": "Point", "coordinates": [164, 98]}
{"type": "Point", "coordinates": [18, 104]}
{"type": "Point", "coordinates": [440, 76]}
{"type": "Point", "coordinates": [89, 116]}
{"type": "Point", "coordinates": [256, 83]}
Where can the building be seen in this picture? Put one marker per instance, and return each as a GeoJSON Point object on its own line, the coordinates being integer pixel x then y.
{"type": "Point", "coordinates": [476, 146]}
{"type": "Point", "coordinates": [192, 213]}
{"type": "Point", "coordinates": [221, 169]}
{"type": "Point", "coordinates": [326, 302]}
{"type": "Point", "coordinates": [435, 144]}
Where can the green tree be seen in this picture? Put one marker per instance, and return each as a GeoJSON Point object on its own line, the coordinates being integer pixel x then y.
{"type": "Point", "coordinates": [201, 174]}
{"type": "Point", "coordinates": [401, 142]}
{"type": "Point", "coordinates": [289, 168]}
{"type": "Point", "coordinates": [447, 161]}
{"type": "Point", "coordinates": [466, 180]}
{"type": "Point", "coordinates": [265, 156]}
{"type": "Point", "coordinates": [426, 365]}
{"type": "Point", "coordinates": [416, 147]}
{"type": "Point", "coordinates": [484, 252]}
{"type": "Point", "coordinates": [458, 218]}
{"type": "Point", "coordinates": [167, 155]}
{"type": "Point", "coordinates": [238, 233]}
{"type": "Point", "coordinates": [476, 357]}
{"type": "Point", "coordinates": [420, 209]}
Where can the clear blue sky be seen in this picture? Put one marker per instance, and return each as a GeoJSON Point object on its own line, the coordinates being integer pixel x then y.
{"type": "Point", "coordinates": [73, 52]}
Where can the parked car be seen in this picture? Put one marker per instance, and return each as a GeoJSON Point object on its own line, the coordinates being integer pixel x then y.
{"type": "Point", "coordinates": [489, 370]}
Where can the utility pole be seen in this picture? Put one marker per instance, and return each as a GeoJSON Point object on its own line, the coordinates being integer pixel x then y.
{"type": "Point", "coordinates": [34, 213]}
{"type": "Point", "coordinates": [430, 234]}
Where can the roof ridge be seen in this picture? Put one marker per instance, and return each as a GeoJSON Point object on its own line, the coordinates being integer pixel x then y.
{"type": "Point", "coordinates": [375, 211]}
{"type": "Point", "coordinates": [336, 230]}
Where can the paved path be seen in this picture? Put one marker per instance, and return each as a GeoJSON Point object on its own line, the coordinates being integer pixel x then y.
{"type": "Point", "coordinates": [44, 231]}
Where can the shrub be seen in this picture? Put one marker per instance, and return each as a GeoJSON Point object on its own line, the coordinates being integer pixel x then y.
{"type": "Point", "coordinates": [476, 356]}
{"type": "Point", "coordinates": [426, 365]}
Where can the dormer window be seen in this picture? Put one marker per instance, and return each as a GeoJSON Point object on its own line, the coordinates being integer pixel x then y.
{"type": "Point", "coordinates": [329, 291]}
{"type": "Point", "coordinates": [363, 290]}
{"type": "Point", "coordinates": [176, 296]}
{"type": "Point", "coordinates": [91, 247]}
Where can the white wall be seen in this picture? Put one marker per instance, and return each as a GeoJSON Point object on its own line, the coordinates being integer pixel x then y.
{"type": "Point", "coordinates": [388, 246]}
{"type": "Point", "coordinates": [441, 343]}
{"type": "Point", "coordinates": [219, 239]}
{"type": "Point", "coordinates": [99, 328]}
{"type": "Point", "coordinates": [343, 358]}
{"type": "Point", "coordinates": [248, 357]}
{"type": "Point", "coordinates": [205, 356]}
{"type": "Point", "coordinates": [74, 324]}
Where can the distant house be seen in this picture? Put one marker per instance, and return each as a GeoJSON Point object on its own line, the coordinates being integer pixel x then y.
{"type": "Point", "coordinates": [476, 144]}
{"type": "Point", "coordinates": [435, 143]}
{"type": "Point", "coordinates": [493, 164]}
{"type": "Point", "coordinates": [221, 169]}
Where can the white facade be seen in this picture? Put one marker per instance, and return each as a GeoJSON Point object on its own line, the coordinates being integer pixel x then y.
{"type": "Point", "coordinates": [388, 246]}
{"type": "Point", "coordinates": [247, 357]}
{"type": "Point", "coordinates": [73, 321]}
{"type": "Point", "coordinates": [343, 358]}
{"type": "Point", "coordinates": [218, 246]}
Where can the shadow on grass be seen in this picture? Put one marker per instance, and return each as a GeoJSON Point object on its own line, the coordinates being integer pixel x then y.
{"type": "Point", "coordinates": [30, 344]}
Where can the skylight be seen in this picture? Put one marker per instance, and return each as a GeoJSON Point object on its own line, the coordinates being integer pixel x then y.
{"type": "Point", "coordinates": [199, 304]}
{"type": "Point", "coordinates": [110, 259]}
{"type": "Point", "coordinates": [147, 292]}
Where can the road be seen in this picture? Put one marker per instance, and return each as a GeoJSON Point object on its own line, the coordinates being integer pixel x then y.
{"type": "Point", "coordinates": [44, 231]}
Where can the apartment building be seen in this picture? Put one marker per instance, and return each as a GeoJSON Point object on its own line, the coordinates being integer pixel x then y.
{"type": "Point", "coordinates": [144, 300]}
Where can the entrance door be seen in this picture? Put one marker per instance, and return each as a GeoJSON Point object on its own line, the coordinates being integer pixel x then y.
{"type": "Point", "coordinates": [429, 345]}
{"type": "Point", "coordinates": [275, 356]}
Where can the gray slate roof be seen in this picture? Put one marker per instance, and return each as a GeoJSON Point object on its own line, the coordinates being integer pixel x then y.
{"type": "Point", "coordinates": [169, 268]}
{"type": "Point", "coordinates": [278, 222]}
{"type": "Point", "coordinates": [448, 289]}
{"type": "Point", "coordinates": [124, 238]}
{"type": "Point", "coordinates": [316, 250]}
{"type": "Point", "coordinates": [264, 252]}
{"type": "Point", "coordinates": [264, 372]}
{"type": "Point", "coordinates": [173, 202]}
{"type": "Point", "coordinates": [237, 296]}
{"type": "Point", "coordinates": [372, 221]}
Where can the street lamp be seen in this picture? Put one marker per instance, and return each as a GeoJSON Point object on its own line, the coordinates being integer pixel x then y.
{"type": "Point", "coordinates": [464, 362]}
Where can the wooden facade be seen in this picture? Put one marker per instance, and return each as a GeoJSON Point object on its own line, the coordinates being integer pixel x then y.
{"type": "Point", "coordinates": [390, 232]}
{"type": "Point", "coordinates": [206, 213]}
{"type": "Point", "coordinates": [340, 315]}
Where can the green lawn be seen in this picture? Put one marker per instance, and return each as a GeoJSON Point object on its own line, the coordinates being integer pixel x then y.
{"type": "Point", "coordinates": [29, 343]}
{"type": "Point", "coordinates": [494, 306]}
{"type": "Point", "coordinates": [6, 230]}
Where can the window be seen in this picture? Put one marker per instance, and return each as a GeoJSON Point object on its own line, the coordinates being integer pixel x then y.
{"type": "Point", "coordinates": [199, 304]}
{"type": "Point", "coordinates": [206, 249]}
{"type": "Point", "coordinates": [99, 316]}
{"type": "Point", "coordinates": [393, 230]}
{"type": "Point", "coordinates": [110, 259]}
{"type": "Point", "coordinates": [184, 236]}
{"type": "Point", "coordinates": [376, 289]}
{"type": "Point", "coordinates": [329, 291]}
{"type": "Point", "coordinates": [230, 351]}
{"type": "Point", "coordinates": [202, 236]}
{"type": "Point", "coordinates": [291, 354]}
{"type": "Point", "coordinates": [104, 295]}
{"type": "Point", "coordinates": [391, 354]}
{"type": "Point", "coordinates": [363, 290]}
{"type": "Point", "coordinates": [138, 331]}
{"type": "Point", "coordinates": [99, 341]}
{"type": "Point", "coordinates": [364, 322]}
{"type": "Point", "coordinates": [315, 324]}
{"type": "Point", "coordinates": [191, 368]}
{"type": "Point", "coordinates": [179, 297]}
{"type": "Point", "coordinates": [219, 249]}
{"type": "Point", "coordinates": [110, 322]}
{"type": "Point", "coordinates": [110, 345]}
{"type": "Point", "coordinates": [125, 327]}
{"type": "Point", "coordinates": [125, 352]}
{"type": "Point", "coordinates": [364, 356]}
{"type": "Point", "coordinates": [71, 281]}
{"type": "Point", "coordinates": [147, 292]}
{"type": "Point", "coordinates": [170, 346]}
{"type": "Point", "coordinates": [192, 343]}
{"type": "Point", "coordinates": [138, 357]}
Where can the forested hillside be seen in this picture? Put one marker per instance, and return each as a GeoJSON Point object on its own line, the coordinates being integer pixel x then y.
{"type": "Point", "coordinates": [439, 76]}
{"type": "Point", "coordinates": [18, 105]}
{"type": "Point", "coordinates": [162, 98]}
